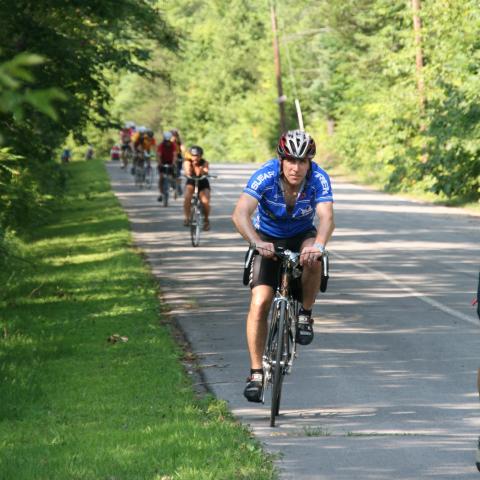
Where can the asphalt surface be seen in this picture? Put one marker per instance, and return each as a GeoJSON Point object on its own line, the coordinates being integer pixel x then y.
{"type": "Point", "coordinates": [387, 389]}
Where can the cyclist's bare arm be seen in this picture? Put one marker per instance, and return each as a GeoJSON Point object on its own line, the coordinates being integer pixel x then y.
{"type": "Point", "coordinates": [205, 168]}
{"type": "Point", "coordinates": [187, 168]}
{"type": "Point", "coordinates": [325, 228]}
{"type": "Point", "coordinates": [241, 217]}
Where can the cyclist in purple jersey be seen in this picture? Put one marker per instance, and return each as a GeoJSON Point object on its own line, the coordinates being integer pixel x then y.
{"type": "Point", "coordinates": [285, 194]}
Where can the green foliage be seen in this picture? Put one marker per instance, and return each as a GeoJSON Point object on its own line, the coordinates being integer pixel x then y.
{"type": "Point", "coordinates": [75, 405]}
{"type": "Point", "coordinates": [14, 75]}
{"type": "Point", "coordinates": [58, 59]}
{"type": "Point", "coordinates": [66, 66]}
{"type": "Point", "coordinates": [221, 92]}
{"type": "Point", "coordinates": [365, 79]}
{"type": "Point", "coordinates": [453, 62]}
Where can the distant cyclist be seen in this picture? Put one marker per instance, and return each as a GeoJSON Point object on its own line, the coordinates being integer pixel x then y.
{"type": "Point", "coordinates": [143, 142]}
{"type": "Point", "coordinates": [284, 196]}
{"type": "Point", "coordinates": [115, 153]}
{"type": "Point", "coordinates": [196, 166]}
{"type": "Point", "coordinates": [166, 156]}
{"type": "Point", "coordinates": [89, 153]}
{"type": "Point", "coordinates": [126, 135]}
{"type": "Point", "coordinates": [66, 155]}
{"type": "Point", "coordinates": [176, 139]}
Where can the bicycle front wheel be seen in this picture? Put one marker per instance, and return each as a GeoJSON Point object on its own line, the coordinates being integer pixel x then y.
{"type": "Point", "coordinates": [280, 347]}
{"type": "Point", "coordinates": [195, 224]}
{"type": "Point", "coordinates": [139, 176]}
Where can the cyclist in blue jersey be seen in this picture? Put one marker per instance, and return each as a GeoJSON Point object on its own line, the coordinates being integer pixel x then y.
{"type": "Point", "coordinates": [284, 196]}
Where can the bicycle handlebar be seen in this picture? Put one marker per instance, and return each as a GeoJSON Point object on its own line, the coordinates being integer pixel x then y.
{"type": "Point", "coordinates": [282, 253]}
{"type": "Point", "coordinates": [201, 177]}
{"type": "Point", "coordinates": [285, 254]}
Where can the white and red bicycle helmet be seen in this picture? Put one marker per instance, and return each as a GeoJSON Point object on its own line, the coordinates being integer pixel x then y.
{"type": "Point", "coordinates": [296, 144]}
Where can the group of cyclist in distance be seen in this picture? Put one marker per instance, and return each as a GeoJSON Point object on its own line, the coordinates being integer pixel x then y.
{"type": "Point", "coordinates": [277, 208]}
{"type": "Point", "coordinates": [139, 144]}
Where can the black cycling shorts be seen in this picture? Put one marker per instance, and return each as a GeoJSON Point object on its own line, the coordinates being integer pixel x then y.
{"type": "Point", "coordinates": [166, 168]}
{"type": "Point", "coordinates": [202, 184]}
{"type": "Point", "coordinates": [265, 271]}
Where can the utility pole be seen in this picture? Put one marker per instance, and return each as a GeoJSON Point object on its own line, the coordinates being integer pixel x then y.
{"type": "Point", "coordinates": [278, 70]}
{"type": "Point", "coordinates": [417, 28]}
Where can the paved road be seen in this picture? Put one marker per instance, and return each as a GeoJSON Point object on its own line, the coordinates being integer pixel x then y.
{"type": "Point", "coordinates": [387, 390]}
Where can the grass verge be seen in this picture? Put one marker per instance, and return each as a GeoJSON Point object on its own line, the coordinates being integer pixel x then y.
{"type": "Point", "coordinates": [76, 406]}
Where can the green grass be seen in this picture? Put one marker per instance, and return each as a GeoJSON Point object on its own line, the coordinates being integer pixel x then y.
{"type": "Point", "coordinates": [73, 405]}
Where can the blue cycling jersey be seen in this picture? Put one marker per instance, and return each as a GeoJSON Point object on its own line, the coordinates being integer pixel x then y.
{"type": "Point", "coordinates": [271, 216]}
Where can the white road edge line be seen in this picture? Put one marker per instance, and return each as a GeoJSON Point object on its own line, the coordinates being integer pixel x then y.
{"type": "Point", "coordinates": [421, 296]}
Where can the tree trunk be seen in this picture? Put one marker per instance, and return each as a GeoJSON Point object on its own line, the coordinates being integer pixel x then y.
{"type": "Point", "coordinates": [417, 27]}
{"type": "Point", "coordinates": [278, 70]}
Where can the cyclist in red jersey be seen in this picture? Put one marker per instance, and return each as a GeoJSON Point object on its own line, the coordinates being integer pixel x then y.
{"type": "Point", "coordinates": [176, 139]}
{"type": "Point", "coordinates": [126, 141]}
{"type": "Point", "coordinates": [166, 155]}
{"type": "Point", "coordinates": [115, 152]}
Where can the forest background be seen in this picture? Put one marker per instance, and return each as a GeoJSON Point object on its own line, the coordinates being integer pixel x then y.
{"type": "Point", "coordinates": [72, 72]}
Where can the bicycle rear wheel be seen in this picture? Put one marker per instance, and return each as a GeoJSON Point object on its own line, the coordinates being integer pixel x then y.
{"type": "Point", "coordinates": [166, 191]}
{"type": "Point", "coordinates": [279, 350]}
{"type": "Point", "coordinates": [195, 221]}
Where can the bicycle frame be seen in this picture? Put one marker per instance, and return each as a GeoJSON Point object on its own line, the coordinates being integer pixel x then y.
{"type": "Point", "coordinates": [142, 169]}
{"type": "Point", "coordinates": [195, 211]}
{"type": "Point", "coordinates": [281, 347]}
{"type": "Point", "coordinates": [127, 157]}
{"type": "Point", "coordinates": [168, 181]}
{"type": "Point", "coordinates": [283, 295]}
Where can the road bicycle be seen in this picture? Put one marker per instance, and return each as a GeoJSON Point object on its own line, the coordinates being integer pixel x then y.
{"type": "Point", "coordinates": [149, 171]}
{"type": "Point", "coordinates": [177, 172]}
{"type": "Point", "coordinates": [281, 348]}
{"type": "Point", "coordinates": [127, 158]}
{"type": "Point", "coordinates": [196, 210]}
{"type": "Point", "coordinates": [143, 171]}
{"type": "Point", "coordinates": [169, 182]}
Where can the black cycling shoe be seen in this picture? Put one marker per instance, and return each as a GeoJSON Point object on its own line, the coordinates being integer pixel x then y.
{"type": "Point", "coordinates": [254, 389]}
{"type": "Point", "coordinates": [304, 329]}
{"type": "Point", "coordinates": [160, 198]}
